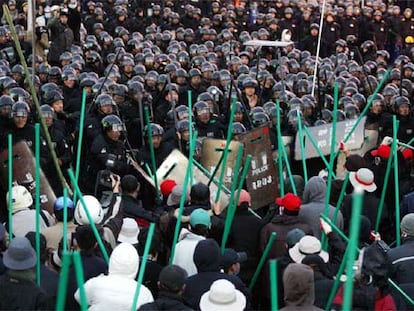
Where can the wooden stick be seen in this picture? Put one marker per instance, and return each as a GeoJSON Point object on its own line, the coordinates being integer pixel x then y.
{"type": "Point", "coordinates": [35, 99]}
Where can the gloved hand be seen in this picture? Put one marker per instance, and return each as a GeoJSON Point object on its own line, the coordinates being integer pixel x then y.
{"type": "Point", "coordinates": [325, 227]}
{"type": "Point", "coordinates": [387, 140]}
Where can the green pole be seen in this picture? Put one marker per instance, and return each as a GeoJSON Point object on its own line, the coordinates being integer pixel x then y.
{"type": "Point", "coordinates": [65, 219]}
{"type": "Point", "coordinates": [341, 197]}
{"type": "Point", "coordinates": [318, 150]}
{"type": "Point", "coordinates": [10, 183]}
{"type": "Point", "coordinates": [262, 260]}
{"type": "Point", "coordinates": [337, 281]}
{"type": "Point", "coordinates": [37, 200]}
{"type": "Point", "coordinates": [405, 145]}
{"type": "Point", "coordinates": [331, 160]}
{"type": "Point", "coordinates": [410, 142]}
{"type": "Point", "coordinates": [226, 151]}
{"type": "Point", "coordinates": [190, 132]}
{"type": "Point", "coordinates": [279, 150]}
{"type": "Point", "coordinates": [233, 202]}
{"type": "Point", "coordinates": [152, 151]}
{"type": "Point", "coordinates": [233, 189]}
{"type": "Point", "coordinates": [353, 247]}
{"type": "Point", "coordinates": [80, 138]}
{"type": "Point", "coordinates": [182, 200]}
{"type": "Point", "coordinates": [395, 124]}
{"type": "Point", "coordinates": [273, 285]}
{"type": "Point", "coordinates": [383, 192]}
{"type": "Point", "coordinates": [302, 146]}
{"type": "Point", "coordinates": [366, 108]}
{"type": "Point", "coordinates": [346, 239]}
{"type": "Point", "coordinates": [63, 281]}
{"type": "Point", "coordinates": [88, 215]}
{"type": "Point", "coordinates": [143, 265]}
{"type": "Point", "coordinates": [80, 280]}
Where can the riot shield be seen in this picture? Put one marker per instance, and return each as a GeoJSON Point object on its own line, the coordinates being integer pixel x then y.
{"type": "Point", "coordinates": [211, 154]}
{"type": "Point", "coordinates": [262, 179]}
{"type": "Point", "coordinates": [24, 174]}
{"type": "Point", "coordinates": [175, 166]}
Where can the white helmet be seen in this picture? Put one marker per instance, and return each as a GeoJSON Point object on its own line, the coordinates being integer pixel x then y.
{"type": "Point", "coordinates": [21, 198]}
{"type": "Point", "coordinates": [95, 210]}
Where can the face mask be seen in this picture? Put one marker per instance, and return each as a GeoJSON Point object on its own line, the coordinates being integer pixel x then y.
{"type": "Point", "coordinates": [48, 15]}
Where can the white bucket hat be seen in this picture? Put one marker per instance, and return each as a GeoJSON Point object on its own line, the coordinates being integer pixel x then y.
{"type": "Point", "coordinates": [222, 296]}
{"type": "Point", "coordinates": [363, 178]}
{"type": "Point", "coordinates": [308, 245]}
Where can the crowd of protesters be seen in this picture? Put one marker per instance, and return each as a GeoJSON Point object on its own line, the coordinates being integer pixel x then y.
{"type": "Point", "coordinates": [124, 59]}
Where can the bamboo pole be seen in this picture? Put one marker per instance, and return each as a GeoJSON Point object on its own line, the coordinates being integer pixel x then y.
{"type": "Point", "coordinates": [143, 265]}
{"type": "Point", "coordinates": [353, 247]}
{"type": "Point", "coordinates": [10, 183]}
{"type": "Point", "coordinates": [262, 260]}
{"type": "Point", "coordinates": [37, 200]}
{"type": "Point", "coordinates": [395, 124]}
{"type": "Point", "coordinates": [226, 151]}
{"type": "Point", "coordinates": [182, 201]}
{"type": "Point", "coordinates": [346, 239]}
{"type": "Point", "coordinates": [80, 280]}
{"type": "Point", "coordinates": [273, 285]}
{"type": "Point", "coordinates": [152, 151]}
{"type": "Point", "coordinates": [279, 150]}
{"type": "Point", "coordinates": [318, 150]}
{"type": "Point", "coordinates": [63, 281]}
{"type": "Point", "coordinates": [331, 159]}
{"type": "Point", "coordinates": [65, 219]}
{"type": "Point", "coordinates": [35, 99]}
{"type": "Point", "coordinates": [302, 146]}
{"type": "Point", "coordinates": [80, 139]}
{"type": "Point", "coordinates": [341, 197]}
{"type": "Point", "coordinates": [190, 130]}
{"type": "Point", "coordinates": [366, 108]}
{"type": "Point", "coordinates": [231, 203]}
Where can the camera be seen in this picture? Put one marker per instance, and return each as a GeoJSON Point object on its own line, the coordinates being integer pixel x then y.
{"type": "Point", "coordinates": [104, 176]}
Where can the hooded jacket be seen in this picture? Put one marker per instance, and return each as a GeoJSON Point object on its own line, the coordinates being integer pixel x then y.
{"type": "Point", "coordinates": [116, 290]}
{"type": "Point", "coordinates": [313, 204]}
{"type": "Point", "coordinates": [299, 288]}
{"type": "Point", "coordinates": [184, 251]}
{"type": "Point", "coordinates": [207, 258]}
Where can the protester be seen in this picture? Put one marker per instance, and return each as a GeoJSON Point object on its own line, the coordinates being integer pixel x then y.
{"type": "Point", "coordinates": [187, 242]}
{"type": "Point", "coordinates": [313, 204]}
{"type": "Point", "coordinates": [171, 287]}
{"type": "Point", "coordinates": [18, 285]}
{"type": "Point", "coordinates": [299, 288]}
{"type": "Point", "coordinates": [134, 57]}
